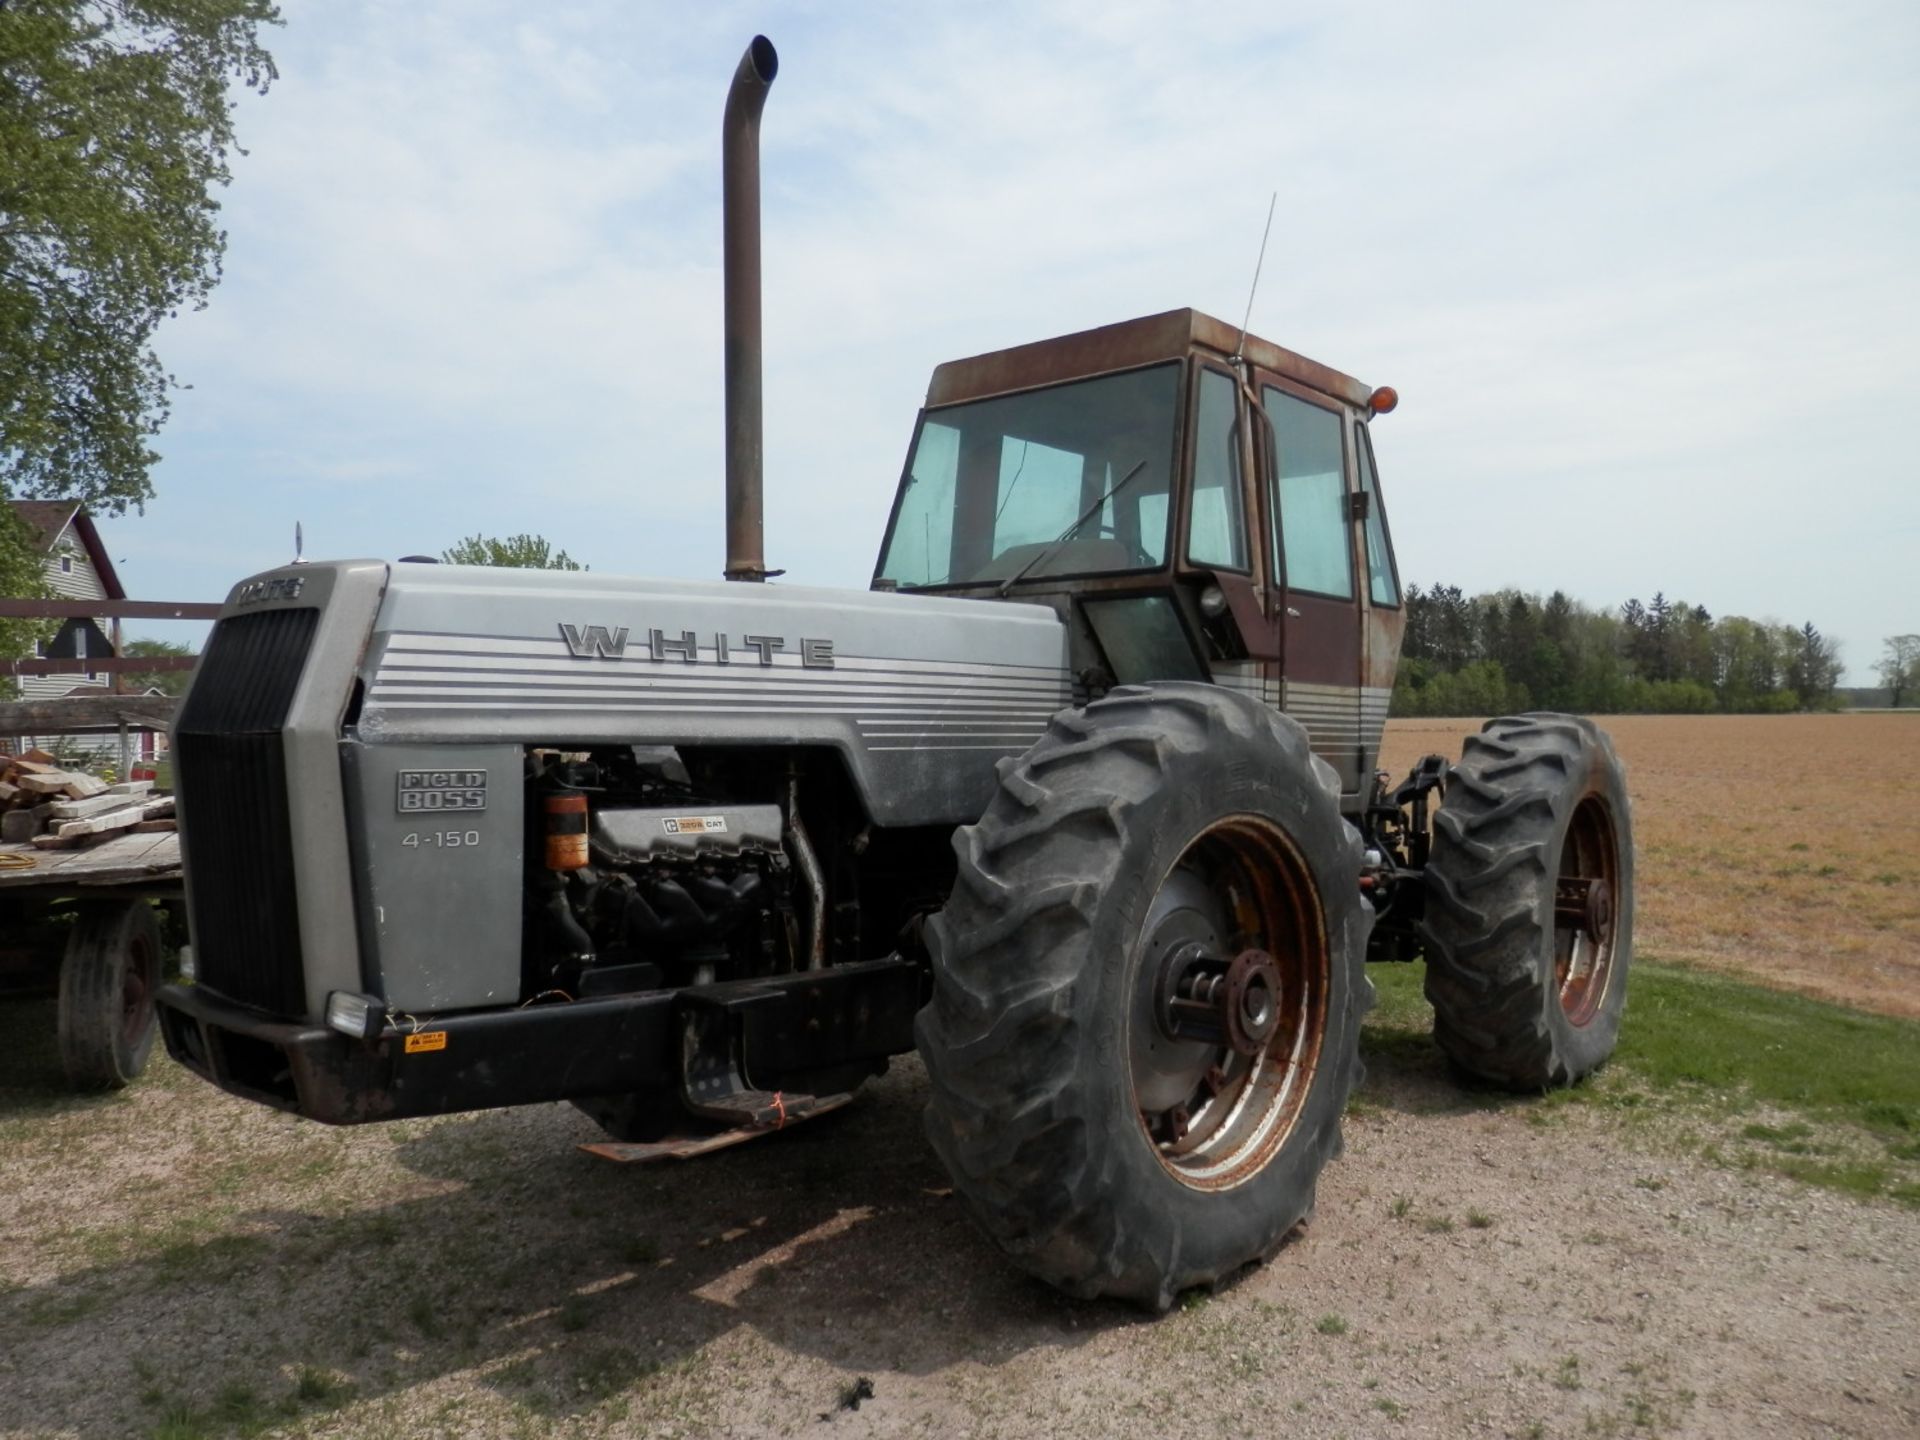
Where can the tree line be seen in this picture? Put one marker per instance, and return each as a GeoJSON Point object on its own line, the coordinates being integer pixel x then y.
{"type": "Point", "coordinates": [1507, 651]}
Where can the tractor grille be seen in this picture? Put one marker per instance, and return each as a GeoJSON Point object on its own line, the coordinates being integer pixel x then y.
{"type": "Point", "coordinates": [231, 773]}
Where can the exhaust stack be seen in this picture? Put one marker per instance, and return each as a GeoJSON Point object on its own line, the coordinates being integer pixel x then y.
{"type": "Point", "coordinates": [740, 200]}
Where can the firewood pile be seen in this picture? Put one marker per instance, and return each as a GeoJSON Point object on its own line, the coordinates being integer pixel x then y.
{"type": "Point", "coordinates": [58, 809]}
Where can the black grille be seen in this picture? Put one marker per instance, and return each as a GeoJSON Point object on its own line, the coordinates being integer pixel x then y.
{"type": "Point", "coordinates": [231, 773]}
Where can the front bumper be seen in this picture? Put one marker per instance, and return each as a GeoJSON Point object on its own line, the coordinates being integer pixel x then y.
{"type": "Point", "coordinates": [776, 1031]}
{"type": "Point", "coordinates": [460, 1062]}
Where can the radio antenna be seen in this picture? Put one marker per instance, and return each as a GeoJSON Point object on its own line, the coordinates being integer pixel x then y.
{"type": "Point", "coordinates": [1254, 288]}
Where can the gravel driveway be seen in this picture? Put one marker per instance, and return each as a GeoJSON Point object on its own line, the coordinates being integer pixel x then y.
{"type": "Point", "coordinates": [177, 1263]}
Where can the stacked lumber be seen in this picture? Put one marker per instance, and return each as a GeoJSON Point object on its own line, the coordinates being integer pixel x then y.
{"type": "Point", "coordinates": [60, 809]}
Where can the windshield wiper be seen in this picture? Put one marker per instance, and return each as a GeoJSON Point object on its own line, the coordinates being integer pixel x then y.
{"type": "Point", "coordinates": [1067, 534]}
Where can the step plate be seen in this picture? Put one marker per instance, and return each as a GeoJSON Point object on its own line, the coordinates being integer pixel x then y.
{"type": "Point", "coordinates": [685, 1147]}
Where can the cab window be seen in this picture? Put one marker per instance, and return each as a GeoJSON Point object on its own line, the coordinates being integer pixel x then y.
{"type": "Point", "coordinates": [1381, 582]}
{"type": "Point", "coordinates": [1311, 496]}
{"type": "Point", "coordinates": [1068, 480]}
{"type": "Point", "coordinates": [1217, 526]}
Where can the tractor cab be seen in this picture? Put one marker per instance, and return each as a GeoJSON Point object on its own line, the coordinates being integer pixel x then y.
{"type": "Point", "coordinates": [1194, 504]}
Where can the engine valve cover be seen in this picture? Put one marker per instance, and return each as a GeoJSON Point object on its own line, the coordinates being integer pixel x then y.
{"type": "Point", "coordinates": [632, 835]}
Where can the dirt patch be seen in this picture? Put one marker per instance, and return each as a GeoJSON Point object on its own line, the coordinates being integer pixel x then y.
{"type": "Point", "coordinates": [1781, 848]}
{"type": "Point", "coordinates": [175, 1262]}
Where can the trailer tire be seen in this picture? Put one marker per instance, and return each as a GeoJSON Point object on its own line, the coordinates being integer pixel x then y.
{"type": "Point", "coordinates": [1525, 993]}
{"type": "Point", "coordinates": [108, 980]}
{"type": "Point", "coordinates": [1156, 820]}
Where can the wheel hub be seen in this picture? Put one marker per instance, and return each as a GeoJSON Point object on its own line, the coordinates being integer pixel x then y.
{"type": "Point", "coordinates": [1227, 1008]}
{"type": "Point", "coordinates": [1168, 1068]}
{"type": "Point", "coordinates": [1584, 905]}
{"type": "Point", "coordinates": [1215, 1001]}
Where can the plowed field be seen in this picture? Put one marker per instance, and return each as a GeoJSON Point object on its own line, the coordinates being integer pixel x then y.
{"type": "Point", "coordinates": [1782, 848]}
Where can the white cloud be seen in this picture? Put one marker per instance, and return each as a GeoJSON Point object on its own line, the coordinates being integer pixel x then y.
{"type": "Point", "coordinates": [1642, 275]}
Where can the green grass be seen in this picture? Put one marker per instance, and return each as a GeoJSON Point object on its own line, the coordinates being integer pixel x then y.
{"type": "Point", "coordinates": [239, 1409]}
{"type": "Point", "coordinates": [63, 1306]}
{"type": "Point", "coordinates": [320, 1387]}
{"type": "Point", "coordinates": [424, 1311]}
{"type": "Point", "coordinates": [1687, 1028]}
{"type": "Point", "coordinates": [1717, 1045]}
{"type": "Point", "coordinates": [1331, 1325]}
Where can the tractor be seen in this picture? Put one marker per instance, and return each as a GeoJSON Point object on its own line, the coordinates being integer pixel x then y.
{"type": "Point", "coordinates": [1079, 800]}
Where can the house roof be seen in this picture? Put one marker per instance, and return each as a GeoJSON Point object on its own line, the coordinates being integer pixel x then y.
{"type": "Point", "coordinates": [48, 520]}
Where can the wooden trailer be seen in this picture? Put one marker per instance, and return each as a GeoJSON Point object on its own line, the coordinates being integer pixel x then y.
{"type": "Point", "coordinates": [90, 923]}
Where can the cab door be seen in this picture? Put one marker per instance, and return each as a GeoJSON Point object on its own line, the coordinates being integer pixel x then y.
{"type": "Point", "coordinates": [1310, 514]}
{"type": "Point", "coordinates": [1385, 621]}
{"type": "Point", "coordinates": [1220, 534]}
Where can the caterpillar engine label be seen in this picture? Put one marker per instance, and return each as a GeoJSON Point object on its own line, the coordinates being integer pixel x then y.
{"type": "Point", "coordinates": [695, 824]}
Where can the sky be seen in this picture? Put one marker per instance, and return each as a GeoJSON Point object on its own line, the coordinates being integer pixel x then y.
{"type": "Point", "coordinates": [1647, 278]}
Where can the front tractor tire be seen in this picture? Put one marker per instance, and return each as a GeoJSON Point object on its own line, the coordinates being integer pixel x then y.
{"type": "Point", "coordinates": [1148, 986]}
{"type": "Point", "coordinates": [1529, 915]}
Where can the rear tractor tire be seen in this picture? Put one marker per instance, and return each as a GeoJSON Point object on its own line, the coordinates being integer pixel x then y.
{"type": "Point", "coordinates": [1529, 915]}
{"type": "Point", "coordinates": [1148, 986]}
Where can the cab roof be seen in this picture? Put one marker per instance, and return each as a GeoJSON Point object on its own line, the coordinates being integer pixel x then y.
{"type": "Point", "coordinates": [1173, 335]}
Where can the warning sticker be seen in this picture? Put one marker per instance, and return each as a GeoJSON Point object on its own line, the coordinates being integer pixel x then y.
{"type": "Point", "coordinates": [695, 824]}
{"type": "Point", "coordinates": [426, 1040]}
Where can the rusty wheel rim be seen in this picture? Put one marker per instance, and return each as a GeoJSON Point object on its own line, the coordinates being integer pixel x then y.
{"type": "Point", "coordinates": [136, 992]}
{"type": "Point", "coordinates": [1586, 890]}
{"type": "Point", "coordinates": [1214, 1114]}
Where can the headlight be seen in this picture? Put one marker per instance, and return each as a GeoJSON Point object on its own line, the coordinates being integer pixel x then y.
{"type": "Point", "coordinates": [355, 1015]}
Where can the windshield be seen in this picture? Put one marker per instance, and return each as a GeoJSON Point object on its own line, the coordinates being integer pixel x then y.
{"type": "Point", "coordinates": [1070, 480]}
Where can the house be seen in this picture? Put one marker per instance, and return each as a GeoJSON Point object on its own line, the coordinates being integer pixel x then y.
{"type": "Point", "coordinates": [77, 567]}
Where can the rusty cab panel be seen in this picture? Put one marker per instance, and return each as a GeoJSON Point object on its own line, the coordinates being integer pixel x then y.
{"type": "Point", "coordinates": [1194, 504]}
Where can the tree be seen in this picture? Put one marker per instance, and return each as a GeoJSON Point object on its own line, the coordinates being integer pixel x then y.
{"type": "Point", "coordinates": [1693, 644]}
{"type": "Point", "coordinates": [1899, 668]}
{"type": "Point", "coordinates": [1556, 617]}
{"type": "Point", "coordinates": [1417, 642]}
{"type": "Point", "coordinates": [115, 121]}
{"type": "Point", "coordinates": [22, 577]}
{"type": "Point", "coordinates": [167, 682]}
{"type": "Point", "coordinates": [1659, 638]}
{"type": "Point", "coordinates": [1454, 630]}
{"type": "Point", "coordinates": [516, 552]}
{"type": "Point", "coordinates": [1815, 667]}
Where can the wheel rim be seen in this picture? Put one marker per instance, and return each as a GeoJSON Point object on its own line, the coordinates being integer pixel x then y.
{"type": "Point", "coordinates": [1584, 919]}
{"type": "Point", "coordinates": [136, 992]}
{"type": "Point", "coordinates": [1214, 1113]}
